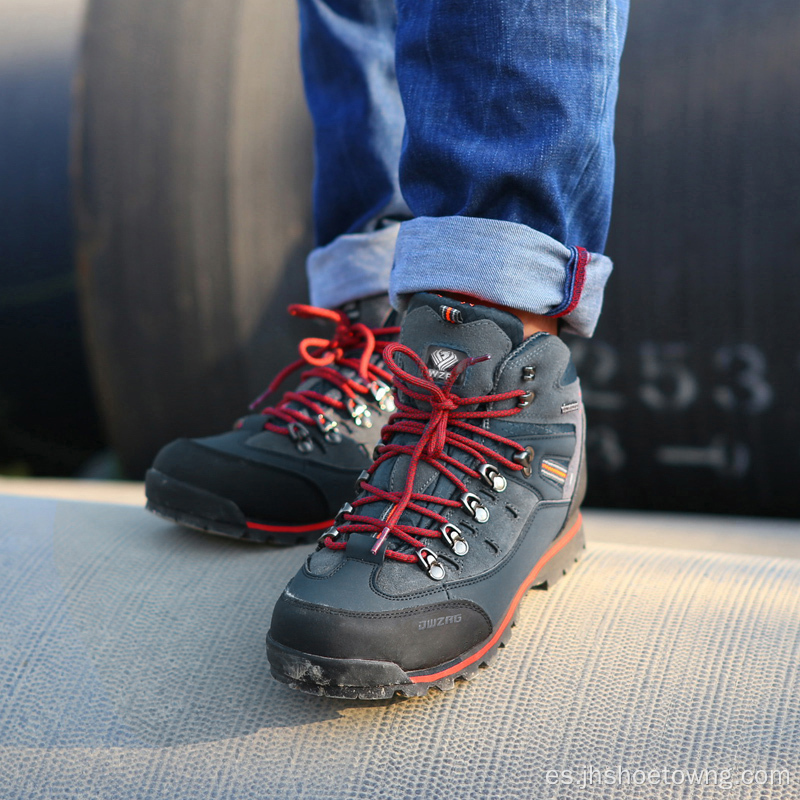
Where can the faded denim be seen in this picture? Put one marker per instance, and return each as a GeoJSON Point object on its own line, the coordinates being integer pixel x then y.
{"type": "Point", "coordinates": [487, 153]}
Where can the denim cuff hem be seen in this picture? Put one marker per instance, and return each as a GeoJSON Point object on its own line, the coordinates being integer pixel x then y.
{"type": "Point", "coordinates": [351, 267]}
{"type": "Point", "coordinates": [502, 262]}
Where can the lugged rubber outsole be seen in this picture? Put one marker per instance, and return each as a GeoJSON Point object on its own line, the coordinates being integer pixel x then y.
{"type": "Point", "coordinates": [202, 510]}
{"type": "Point", "coordinates": [345, 678]}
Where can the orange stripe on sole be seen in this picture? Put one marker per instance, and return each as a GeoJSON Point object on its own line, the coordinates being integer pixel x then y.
{"type": "Point", "coordinates": [552, 551]}
{"type": "Point", "coordinates": [317, 526]}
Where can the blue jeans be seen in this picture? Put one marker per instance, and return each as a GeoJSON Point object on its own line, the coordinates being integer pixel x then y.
{"type": "Point", "coordinates": [463, 146]}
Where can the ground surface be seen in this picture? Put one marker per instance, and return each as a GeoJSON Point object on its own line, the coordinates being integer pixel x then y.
{"type": "Point", "coordinates": [132, 665]}
{"type": "Point", "coordinates": [769, 537]}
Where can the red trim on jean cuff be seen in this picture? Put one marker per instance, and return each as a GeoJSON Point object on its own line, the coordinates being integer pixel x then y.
{"type": "Point", "coordinates": [578, 283]}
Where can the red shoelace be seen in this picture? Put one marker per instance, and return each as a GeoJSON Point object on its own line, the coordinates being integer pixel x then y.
{"type": "Point", "coordinates": [443, 423]}
{"type": "Point", "coordinates": [327, 358]}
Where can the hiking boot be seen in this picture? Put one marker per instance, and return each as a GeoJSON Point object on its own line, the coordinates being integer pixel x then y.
{"type": "Point", "coordinates": [472, 499]}
{"type": "Point", "coordinates": [281, 475]}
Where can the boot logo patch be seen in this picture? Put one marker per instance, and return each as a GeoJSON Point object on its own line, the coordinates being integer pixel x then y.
{"type": "Point", "coordinates": [444, 359]}
{"type": "Point", "coordinates": [441, 361]}
{"type": "Point", "coordinates": [450, 314]}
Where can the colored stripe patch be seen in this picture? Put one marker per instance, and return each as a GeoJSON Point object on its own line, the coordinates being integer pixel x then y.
{"type": "Point", "coordinates": [450, 314]}
{"type": "Point", "coordinates": [555, 470]}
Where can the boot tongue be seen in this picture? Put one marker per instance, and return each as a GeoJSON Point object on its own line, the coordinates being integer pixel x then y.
{"type": "Point", "coordinates": [444, 332]}
{"type": "Point", "coordinates": [374, 311]}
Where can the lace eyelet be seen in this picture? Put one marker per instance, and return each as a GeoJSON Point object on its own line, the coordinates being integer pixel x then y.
{"type": "Point", "coordinates": [525, 399]}
{"type": "Point", "coordinates": [301, 437]}
{"type": "Point", "coordinates": [325, 424]}
{"type": "Point", "coordinates": [328, 427]}
{"type": "Point", "coordinates": [492, 477]}
{"type": "Point", "coordinates": [360, 413]}
{"type": "Point", "coordinates": [528, 373]}
{"type": "Point", "coordinates": [332, 533]}
{"type": "Point", "coordinates": [431, 564]}
{"type": "Point", "coordinates": [455, 539]}
{"type": "Point", "coordinates": [525, 459]}
{"type": "Point", "coordinates": [476, 509]}
{"type": "Point", "coordinates": [362, 477]}
{"type": "Point", "coordinates": [345, 509]}
{"type": "Point", "coordinates": [383, 396]}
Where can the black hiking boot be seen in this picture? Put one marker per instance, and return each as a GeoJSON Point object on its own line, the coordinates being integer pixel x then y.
{"type": "Point", "coordinates": [281, 475]}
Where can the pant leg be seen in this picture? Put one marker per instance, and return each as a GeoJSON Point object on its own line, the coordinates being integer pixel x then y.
{"type": "Point", "coordinates": [508, 156]}
{"type": "Point", "coordinates": [347, 53]}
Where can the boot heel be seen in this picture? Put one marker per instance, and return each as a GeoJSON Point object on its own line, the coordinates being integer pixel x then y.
{"type": "Point", "coordinates": [564, 556]}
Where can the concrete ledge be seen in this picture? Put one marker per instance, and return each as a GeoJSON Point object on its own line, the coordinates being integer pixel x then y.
{"type": "Point", "coordinates": [133, 666]}
{"type": "Point", "coordinates": [772, 537]}
{"type": "Point", "coordinates": [707, 532]}
{"type": "Point", "coordinates": [122, 492]}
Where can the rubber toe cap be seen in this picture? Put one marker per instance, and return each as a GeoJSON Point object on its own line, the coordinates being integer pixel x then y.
{"type": "Point", "coordinates": [413, 638]}
{"type": "Point", "coordinates": [262, 491]}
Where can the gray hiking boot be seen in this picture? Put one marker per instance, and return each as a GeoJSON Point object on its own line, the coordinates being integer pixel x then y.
{"type": "Point", "coordinates": [472, 499]}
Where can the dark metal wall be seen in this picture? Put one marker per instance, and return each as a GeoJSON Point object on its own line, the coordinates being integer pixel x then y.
{"type": "Point", "coordinates": [48, 422]}
{"type": "Point", "coordinates": [193, 178]}
{"type": "Point", "coordinates": [692, 379]}
{"type": "Point", "coordinates": [192, 163]}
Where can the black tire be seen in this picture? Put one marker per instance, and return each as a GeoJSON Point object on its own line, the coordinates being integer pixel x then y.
{"type": "Point", "coordinates": [192, 174]}
{"type": "Point", "coordinates": [693, 374]}
{"type": "Point", "coordinates": [48, 424]}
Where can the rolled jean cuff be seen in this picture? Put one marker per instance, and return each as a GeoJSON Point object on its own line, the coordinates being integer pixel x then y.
{"type": "Point", "coordinates": [351, 267]}
{"type": "Point", "coordinates": [501, 262]}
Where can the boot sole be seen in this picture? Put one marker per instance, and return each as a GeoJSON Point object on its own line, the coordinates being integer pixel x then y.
{"type": "Point", "coordinates": [202, 510]}
{"type": "Point", "coordinates": [354, 679]}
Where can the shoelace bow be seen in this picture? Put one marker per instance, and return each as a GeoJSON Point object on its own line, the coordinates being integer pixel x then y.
{"type": "Point", "coordinates": [437, 427]}
{"type": "Point", "coordinates": [327, 357]}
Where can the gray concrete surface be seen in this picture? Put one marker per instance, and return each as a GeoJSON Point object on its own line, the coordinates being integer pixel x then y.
{"type": "Point", "coordinates": [711, 532]}
{"type": "Point", "coordinates": [92, 491]}
{"type": "Point", "coordinates": [771, 537]}
{"type": "Point", "coordinates": [132, 665]}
